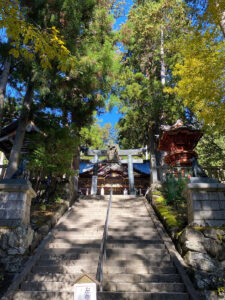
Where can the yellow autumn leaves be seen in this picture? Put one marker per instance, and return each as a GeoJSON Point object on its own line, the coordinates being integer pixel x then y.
{"type": "Point", "coordinates": [202, 77]}
{"type": "Point", "coordinates": [30, 41]}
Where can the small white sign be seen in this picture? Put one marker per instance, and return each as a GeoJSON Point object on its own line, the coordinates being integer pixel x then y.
{"type": "Point", "coordinates": [85, 291]}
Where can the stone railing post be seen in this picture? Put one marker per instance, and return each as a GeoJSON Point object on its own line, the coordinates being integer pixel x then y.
{"type": "Point", "coordinates": [16, 234]}
{"type": "Point", "coordinates": [15, 201]}
{"type": "Point", "coordinates": [206, 203]}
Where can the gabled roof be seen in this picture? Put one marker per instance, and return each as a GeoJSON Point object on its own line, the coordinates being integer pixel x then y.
{"type": "Point", "coordinates": [143, 168]}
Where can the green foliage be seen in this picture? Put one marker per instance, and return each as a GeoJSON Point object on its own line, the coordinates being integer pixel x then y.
{"type": "Point", "coordinates": [52, 154]}
{"type": "Point", "coordinates": [175, 188]}
{"type": "Point", "coordinates": [97, 137]}
{"type": "Point", "coordinates": [211, 150]}
{"type": "Point", "coordinates": [71, 87]}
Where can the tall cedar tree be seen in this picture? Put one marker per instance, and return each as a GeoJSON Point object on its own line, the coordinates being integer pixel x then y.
{"type": "Point", "coordinates": [150, 38]}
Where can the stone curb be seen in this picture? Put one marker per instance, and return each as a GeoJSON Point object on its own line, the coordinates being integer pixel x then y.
{"type": "Point", "coordinates": [175, 256]}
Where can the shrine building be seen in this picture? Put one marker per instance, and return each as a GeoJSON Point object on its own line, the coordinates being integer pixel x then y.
{"type": "Point", "coordinates": [125, 176]}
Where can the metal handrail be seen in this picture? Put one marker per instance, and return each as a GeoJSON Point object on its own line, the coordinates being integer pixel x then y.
{"type": "Point", "coordinates": [102, 256]}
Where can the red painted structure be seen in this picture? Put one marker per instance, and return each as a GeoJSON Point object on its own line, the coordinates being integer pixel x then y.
{"type": "Point", "coordinates": [179, 141]}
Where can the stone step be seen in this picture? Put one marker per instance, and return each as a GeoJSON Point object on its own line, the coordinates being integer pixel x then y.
{"type": "Point", "coordinates": [125, 236]}
{"type": "Point", "coordinates": [101, 296]}
{"type": "Point", "coordinates": [110, 286]}
{"type": "Point", "coordinates": [130, 269]}
{"type": "Point", "coordinates": [80, 219]}
{"type": "Point", "coordinates": [124, 226]}
{"type": "Point", "coordinates": [72, 244]}
{"type": "Point", "coordinates": [138, 278]}
{"type": "Point", "coordinates": [79, 212]}
{"type": "Point", "coordinates": [124, 223]}
{"type": "Point", "coordinates": [137, 257]}
{"type": "Point", "coordinates": [91, 202]}
{"type": "Point", "coordinates": [77, 235]}
{"type": "Point", "coordinates": [69, 227]}
{"type": "Point", "coordinates": [135, 246]}
{"type": "Point", "coordinates": [128, 218]}
{"type": "Point", "coordinates": [68, 262]}
{"type": "Point", "coordinates": [82, 242]}
{"type": "Point", "coordinates": [76, 253]}
{"type": "Point", "coordinates": [143, 287]}
{"type": "Point", "coordinates": [137, 263]}
{"type": "Point", "coordinates": [72, 255]}
{"type": "Point", "coordinates": [150, 251]}
{"type": "Point", "coordinates": [72, 237]}
{"type": "Point", "coordinates": [142, 296]}
{"type": "Point", "coordinates": [133, 242]}
{"type": "Point", "coordinates": [70, 251]}
{"type": "Point", "coordinates": [126, 207]}
{"type": "Point", "coordinates": [83, 224]}
{"type": "Point", "coordinates": [115, 257]}
{"type": "Point", "coordinates": [135, 222]}
{"type": "Point", "coordinates": [129, 230]}
{"type": "Point", "coordinates": [112, 269]}
{"type": "Point", "coordinates": [55, 277]}
{"type": "Point", "coordinates": [132, 278]}
{"type": "Point", "coordinates": [126, 212]}
{"type": "Point", "coordinates": [65, 269]}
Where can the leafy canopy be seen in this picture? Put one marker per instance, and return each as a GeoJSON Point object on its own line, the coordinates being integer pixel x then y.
{"type": "Point", "coordinates": [28, 40]}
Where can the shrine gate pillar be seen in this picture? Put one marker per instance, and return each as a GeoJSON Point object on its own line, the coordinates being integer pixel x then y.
{"type": "Point", "coordinates": [131, 175]}
{"type": "Point", "coordinates": [94, 183]}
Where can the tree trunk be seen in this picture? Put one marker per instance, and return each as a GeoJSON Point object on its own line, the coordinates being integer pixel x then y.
{"type": "Point", "coordinates": [222, 22]}
{"type": "Point", "coordinates": [162, 52]}
{"type": "Point", "coordinates": [3, 83]}
{"type": "Point", "coordinates": [20, 133]}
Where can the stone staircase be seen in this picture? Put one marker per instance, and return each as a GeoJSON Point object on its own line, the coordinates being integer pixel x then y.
{"type": "Point", "coordinates": [75, 246]}
{"type": "Point", "coordinates": [138, 265]}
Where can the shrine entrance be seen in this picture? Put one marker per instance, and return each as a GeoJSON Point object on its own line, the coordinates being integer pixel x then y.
{"type": "Point", "coordinates": [122, 172]}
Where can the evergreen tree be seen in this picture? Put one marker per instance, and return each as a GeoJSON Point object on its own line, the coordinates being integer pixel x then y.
{"type": "Point", "coordinates": [74, 88]}
{"type": "Point", "coordinates": [150, 38]}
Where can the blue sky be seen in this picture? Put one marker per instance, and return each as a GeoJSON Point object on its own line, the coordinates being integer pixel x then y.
{"type": "Point", "coordinates": [113, 116]}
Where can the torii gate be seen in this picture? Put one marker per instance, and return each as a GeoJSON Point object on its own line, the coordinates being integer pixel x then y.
{"type": "Point", "coordinates": [129, 153]}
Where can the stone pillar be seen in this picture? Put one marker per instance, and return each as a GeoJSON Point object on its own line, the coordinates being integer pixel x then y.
{"type": "Point", "coordinates": [15, 201]}
{"type": "Point", "coordinates": [206, 202]}
{"type": "Point", "coordinates": [131, 175]}
{"type": "Point", "coordinates": [16, 234]}
{"type": "Point", "coordinates": [94, 183]}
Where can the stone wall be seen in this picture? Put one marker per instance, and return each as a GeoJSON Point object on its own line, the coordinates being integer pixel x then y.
{"type": "Point", "coordinates": [203, 250]}
{"type": "Point", "coordinates": [14, 247]}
